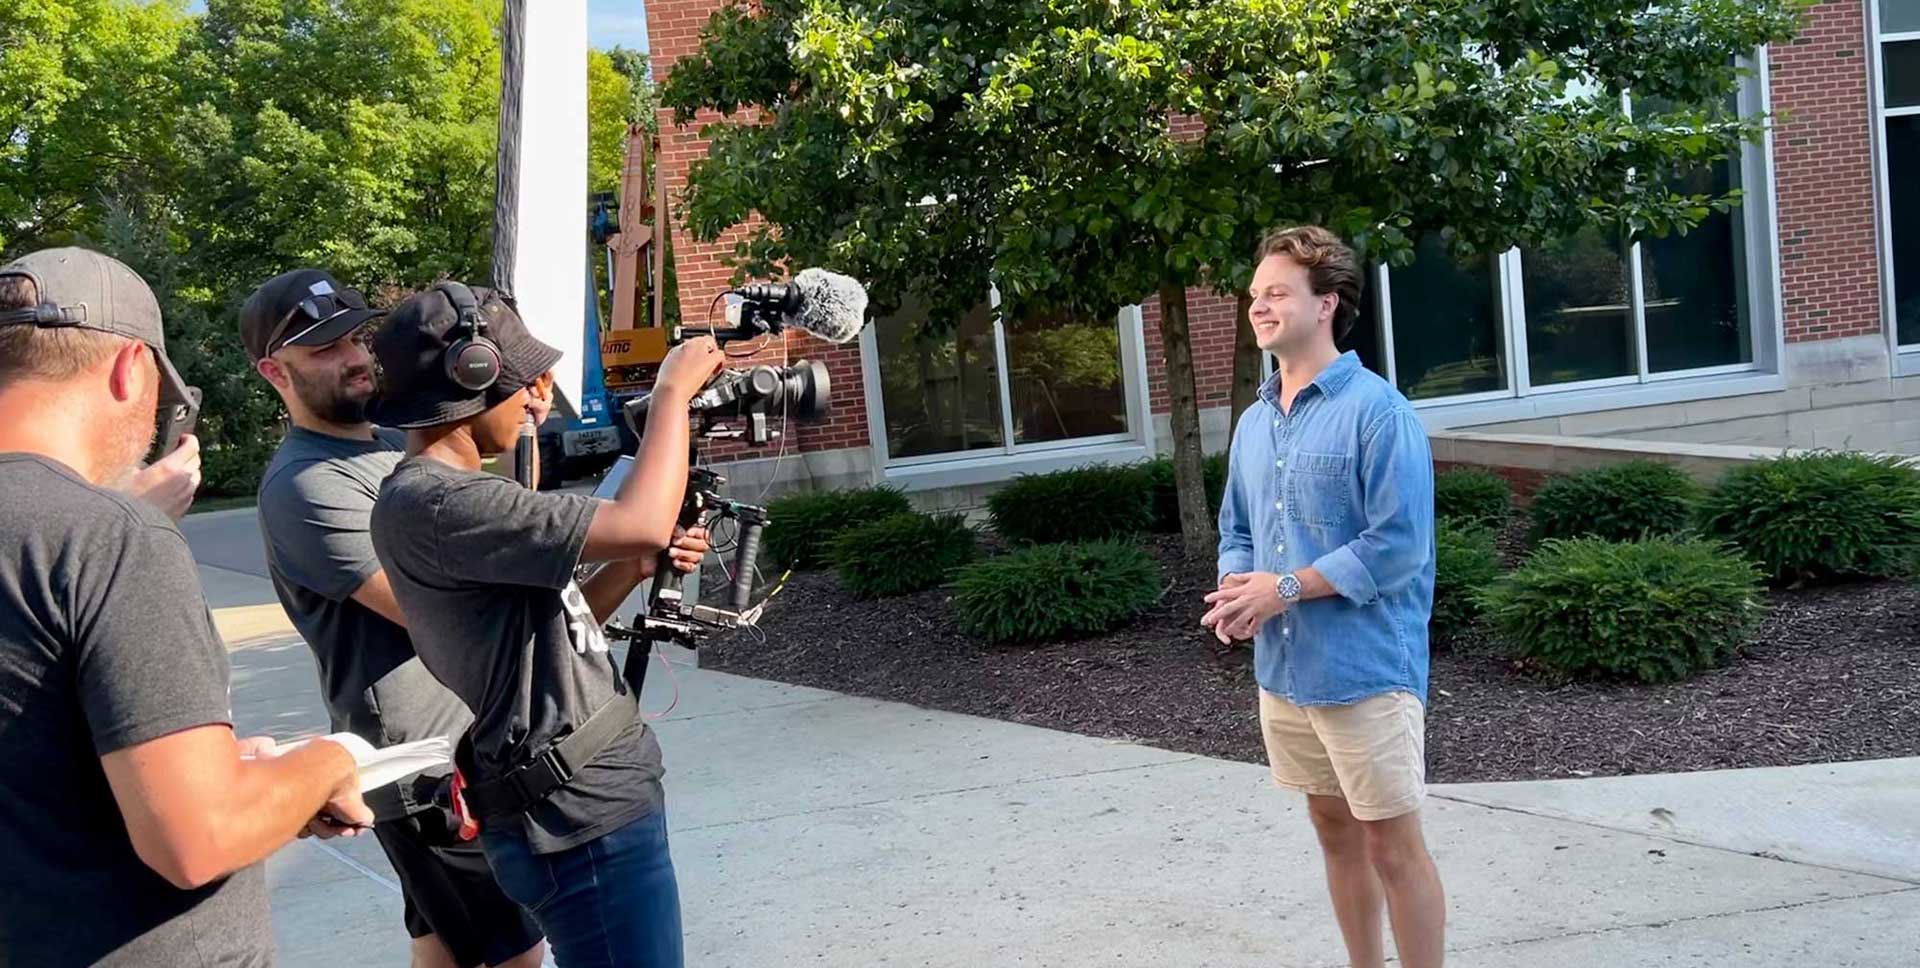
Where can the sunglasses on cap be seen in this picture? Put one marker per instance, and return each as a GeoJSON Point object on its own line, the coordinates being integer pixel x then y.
{"type": "Point", "coordinates": [315, 311]}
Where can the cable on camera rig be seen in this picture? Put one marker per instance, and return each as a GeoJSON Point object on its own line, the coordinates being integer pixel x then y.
{"type": "Point", "coordinates": [736, 404]}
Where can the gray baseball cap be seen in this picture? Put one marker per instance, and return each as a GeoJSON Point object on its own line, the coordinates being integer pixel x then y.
{"type": "Point", "coordinates": [87, 290]}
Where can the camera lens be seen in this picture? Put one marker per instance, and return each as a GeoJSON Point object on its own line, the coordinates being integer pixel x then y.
{"type": "Point", "coordinates": [807, 390]}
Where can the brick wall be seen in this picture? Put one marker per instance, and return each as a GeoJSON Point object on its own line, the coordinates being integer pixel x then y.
{"type": "Point", "coordinates": [673, 30]}
{"type": "Point", "coordinates": [1210, 324]}
{"type": "Point", "coordinates": [1823, 172]}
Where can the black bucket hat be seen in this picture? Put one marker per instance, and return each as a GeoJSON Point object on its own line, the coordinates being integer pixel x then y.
{"type": "Point", "coordinates": [411, 349]}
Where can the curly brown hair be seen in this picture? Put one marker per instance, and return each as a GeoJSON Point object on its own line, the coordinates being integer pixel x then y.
{"type": "Point", "coordinates": [1331, 267]}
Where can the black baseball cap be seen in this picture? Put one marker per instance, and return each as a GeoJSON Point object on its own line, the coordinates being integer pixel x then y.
{"type": "Point", "coordinates": [305, 307]}
{"type": "Point", "coordinates": [84, 289]}
{"type": "Point", "coordinates": [411, 349]}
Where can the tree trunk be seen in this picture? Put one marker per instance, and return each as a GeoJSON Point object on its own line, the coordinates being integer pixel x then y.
{"type": "Point", "coordinates": [1246, 362]}
{"type": "Point", "coordinates": [1196, 525]}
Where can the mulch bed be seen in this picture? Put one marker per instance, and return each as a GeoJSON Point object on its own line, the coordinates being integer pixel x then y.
{"type": "Point", "coordinates": [1832, 674]}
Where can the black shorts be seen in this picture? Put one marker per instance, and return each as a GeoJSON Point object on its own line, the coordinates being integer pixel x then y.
{"type": "Point", "coordinates": [450, 891]}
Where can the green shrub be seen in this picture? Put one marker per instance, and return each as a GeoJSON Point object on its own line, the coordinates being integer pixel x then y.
{"type": "Point", "coordinates": [1811, 517]}
{"type": "Point", "coordinates": [901, 553]}
{"type": "Point", "coordinates": [1464, 563]}
{"type": "Point", "coordinates": [1472, 495]}
{"type": "Point", "coordinates": [1082, 504]}
{"type": "Point", "coordinates": [1166, 501]}
{"type": "Point", "coordinates": [1053, 591]}
{"type": "Point", "coordinates": [801, 526]}
{"type": "Point", "coordinates": [1657, 609]}
{"type": "Point", "coordinates": [1619, 503]}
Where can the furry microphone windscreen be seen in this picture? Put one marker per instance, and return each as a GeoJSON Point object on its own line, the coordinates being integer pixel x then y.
{"type": "Point", "coordinates": [833, 307]}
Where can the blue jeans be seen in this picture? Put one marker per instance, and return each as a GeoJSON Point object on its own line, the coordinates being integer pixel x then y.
{"type": "Point", "coordinates": [611, 902]}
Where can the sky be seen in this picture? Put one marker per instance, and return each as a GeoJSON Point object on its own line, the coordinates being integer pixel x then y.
{"type": "Point", "coordinates": [617, 23]}
{"type": "Point", "coordinates": [610, 23]}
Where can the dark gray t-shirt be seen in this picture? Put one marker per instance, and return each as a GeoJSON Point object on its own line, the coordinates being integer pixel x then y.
{"type": "Point", "coordinates": [315, 502]}
{"type": "Point", "coordinates": [105, 643]}
{"type": "Point", "coordinates": [484, 570]}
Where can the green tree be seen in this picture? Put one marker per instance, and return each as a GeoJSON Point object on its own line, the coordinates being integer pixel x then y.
{"type": "Point", "coordinates": [1033, 144]}
{"type": "Point", "coordinates": [212, 151]}
{"type": "Point", "coordinates": [609, 98]}
{"type": "Point", "coordinates": [86, 96]}
{"type": "Point", "coordinates": [353, 134]}
{"type": "Point", "coordinates": [643, 103]}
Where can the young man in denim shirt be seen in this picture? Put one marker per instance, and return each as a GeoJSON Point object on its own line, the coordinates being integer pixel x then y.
{"type": "Point", "coordinates": [1326, 562]}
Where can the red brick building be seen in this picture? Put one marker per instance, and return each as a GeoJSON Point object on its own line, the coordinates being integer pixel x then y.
{"type": "Point", "coordinates": [1792, 321]}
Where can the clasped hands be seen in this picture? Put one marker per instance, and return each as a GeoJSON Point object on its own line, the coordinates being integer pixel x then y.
{"type": "Point", "coordinates": [1241, 604]}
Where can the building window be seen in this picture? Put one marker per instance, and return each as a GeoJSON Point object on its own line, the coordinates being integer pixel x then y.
{"type": "Point", "coordinates": [1693, 285]}
{"type": "Point", "coordinates": [982, 387]}
{"type": "Point", "coordinates": [1579, 310]}
{"type": "Point", "coordinates": [1447, 340]}
{"type": "Point", "coordinates": [1897, 27]}
{"type": "Point", "coordinates": [1593, 310]}
{"type": "Point", "coordinates": [1064, 378]}
{"type": "Point", "coordinates": [939, 393]}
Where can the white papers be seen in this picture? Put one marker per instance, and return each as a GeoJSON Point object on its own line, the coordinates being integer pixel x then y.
{"type": "Point", "coordinates": [379, 767]}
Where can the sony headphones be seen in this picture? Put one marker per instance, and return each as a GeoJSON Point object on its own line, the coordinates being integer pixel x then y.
{"type": "Point", "coordinates": [472, 361]}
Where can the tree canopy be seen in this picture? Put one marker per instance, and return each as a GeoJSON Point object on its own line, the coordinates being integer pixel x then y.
{"type": "Point", "coordinates": [1086, 155]}
{"type": "Point", "coordinates": [1037, 132]}
{"type": "Point", "coordinates": [212, 151]}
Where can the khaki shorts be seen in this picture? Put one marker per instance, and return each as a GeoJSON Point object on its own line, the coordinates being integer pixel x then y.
{"type": "Point", "coordinates": [1371, 753]}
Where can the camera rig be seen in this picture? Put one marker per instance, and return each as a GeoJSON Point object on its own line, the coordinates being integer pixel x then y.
{"type": "Point", "coordinates": [737, 404]}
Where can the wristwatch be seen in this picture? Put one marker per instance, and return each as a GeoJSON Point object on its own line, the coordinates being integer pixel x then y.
{"type": "Point", "coordinates": [1289, 588]}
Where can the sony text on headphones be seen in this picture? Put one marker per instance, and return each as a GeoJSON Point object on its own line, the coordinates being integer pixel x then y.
{"type": "Point", "coordinates": [472, 361]}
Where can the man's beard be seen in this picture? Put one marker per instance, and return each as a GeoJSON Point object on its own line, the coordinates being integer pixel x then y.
{"type": "Point", "coordinates": [330, 400]}
{"type": "Point", "coordinates": [136, 435]}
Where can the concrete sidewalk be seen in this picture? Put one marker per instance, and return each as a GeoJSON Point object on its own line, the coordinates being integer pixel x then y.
{"type": "Point", "coordinates": [817, 828]}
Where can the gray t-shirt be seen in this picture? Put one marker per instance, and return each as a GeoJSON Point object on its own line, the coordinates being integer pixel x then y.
{"type": "Point", "coordinates": [315, 502]}
{"type": "Point", "coordinates": [105, 643]}
{"type": "Point", "coordinates": [484, 570]}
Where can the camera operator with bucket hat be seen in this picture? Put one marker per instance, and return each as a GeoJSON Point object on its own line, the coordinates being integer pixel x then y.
{"type": "Point", "coordinates": [303, 330]}
{"type": "Point", "coordinates": [559, 769]}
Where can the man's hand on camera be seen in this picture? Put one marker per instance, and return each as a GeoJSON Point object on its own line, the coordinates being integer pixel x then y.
{"type": "Point", "coordinates": [538, 407]}
{"type": "Point", "coordinates": [688, 367]}
{"type": "Point", "coordinates": [688, 549]}
{"type": "Point", "coordinates": [170, 482]}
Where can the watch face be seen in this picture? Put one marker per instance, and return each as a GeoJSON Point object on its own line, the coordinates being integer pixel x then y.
{"type": "Point", "coordinates": [1289, 587]}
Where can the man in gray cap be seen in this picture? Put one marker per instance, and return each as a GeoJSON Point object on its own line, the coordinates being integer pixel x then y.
{"type": "Point", "coordinates": [129, 803]}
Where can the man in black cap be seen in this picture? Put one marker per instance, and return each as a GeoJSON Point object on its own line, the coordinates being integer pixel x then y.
{"type": "Point", "coordinates": [133, 821]}
{"type": "Point", "coordinates": [303, 330]}
{"type": "Point", "coordinates": [559, 768]}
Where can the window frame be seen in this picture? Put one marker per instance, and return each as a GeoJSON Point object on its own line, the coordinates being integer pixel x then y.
{"type": "Point", "coordinates": [960, 467]}
{"type": "Point", "coordinates": [1761, 273]}
{"type": "Point", "coordinates": [1905, 357]}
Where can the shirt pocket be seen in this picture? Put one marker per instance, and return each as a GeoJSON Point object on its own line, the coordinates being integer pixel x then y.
{"type": "Point", "coordinates": [1321, 488]}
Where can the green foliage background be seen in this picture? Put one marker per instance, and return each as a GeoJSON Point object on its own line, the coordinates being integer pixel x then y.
{"type": "Point", "coordinates": [212, 151]}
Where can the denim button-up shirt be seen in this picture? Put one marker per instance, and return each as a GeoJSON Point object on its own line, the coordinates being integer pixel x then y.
{"type": "Point", "coordinates": [1343, 484]}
